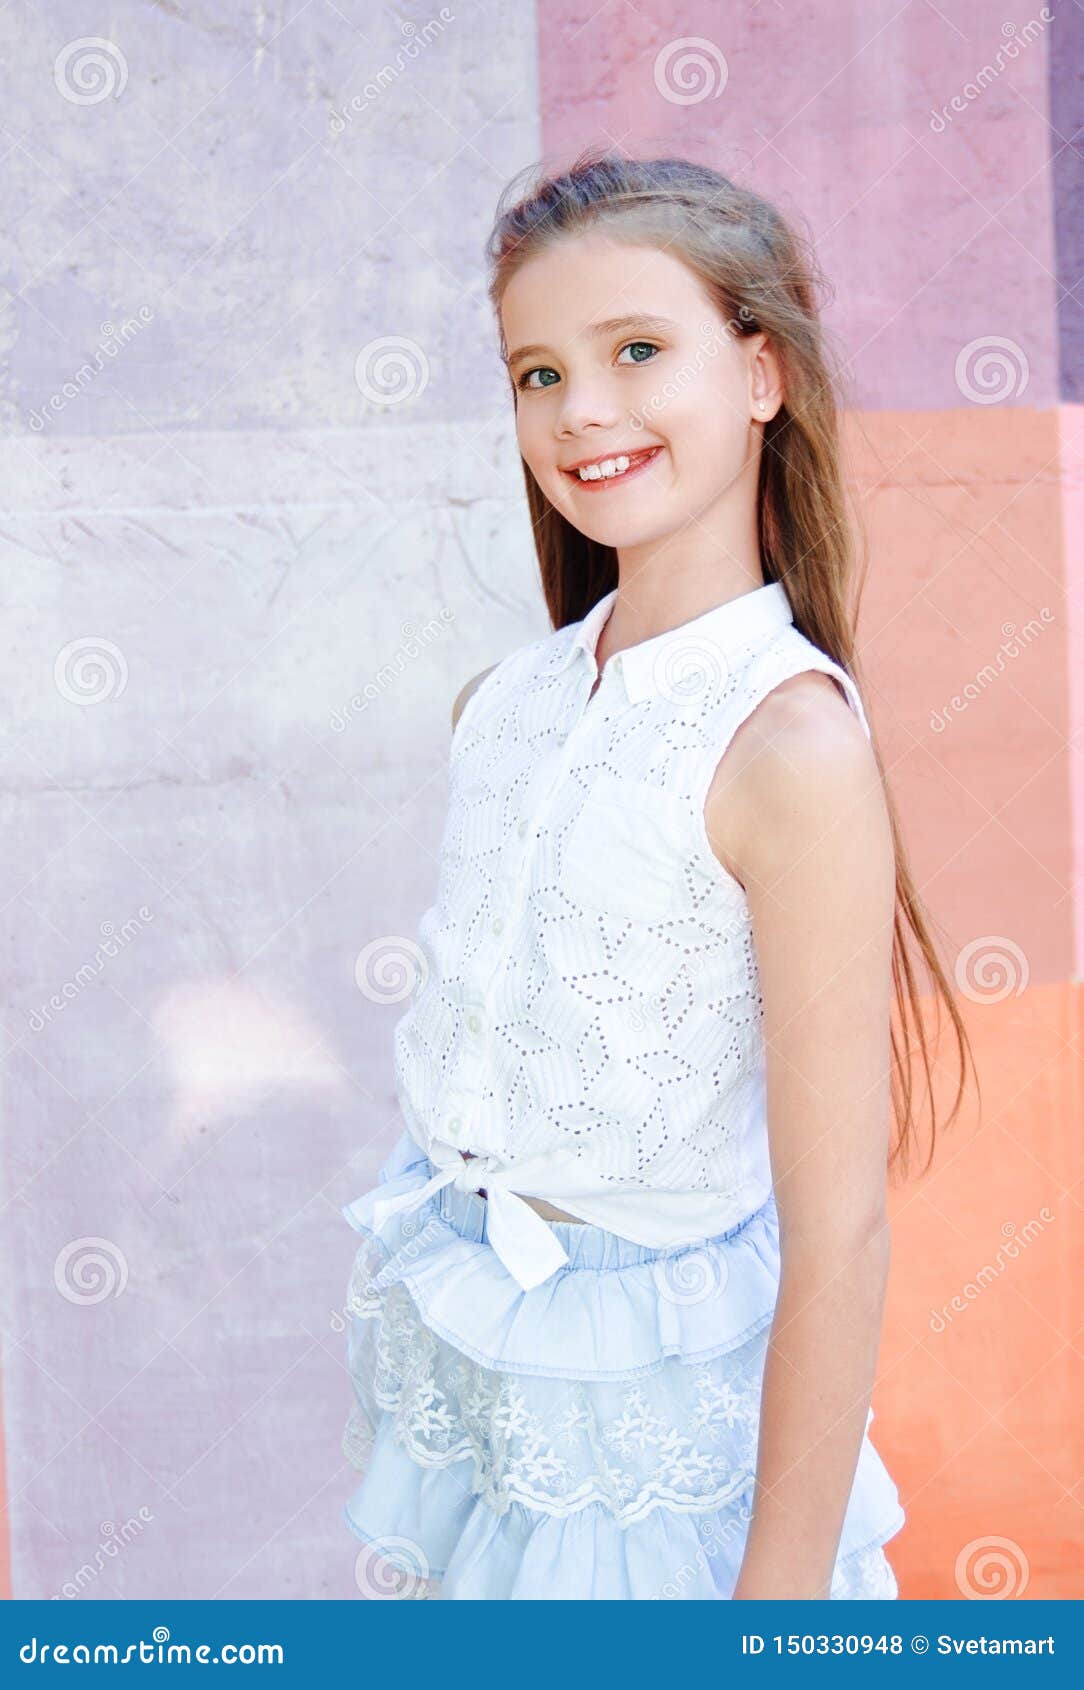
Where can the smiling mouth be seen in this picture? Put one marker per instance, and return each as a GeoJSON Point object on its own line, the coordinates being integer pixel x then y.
{"type": "Point", "coordinates": [609, 471]}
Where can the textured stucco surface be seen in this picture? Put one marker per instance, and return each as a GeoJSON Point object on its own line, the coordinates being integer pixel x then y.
{"type": "Point", "coordinates": [933, 154]}
{"type": "Point", "coordinates": [249, 544]}
{"type": "Point", "coordinates": [929, 237]}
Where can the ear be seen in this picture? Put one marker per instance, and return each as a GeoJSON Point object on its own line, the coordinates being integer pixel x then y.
{"type": "Point", "coordinates": [765, 378]}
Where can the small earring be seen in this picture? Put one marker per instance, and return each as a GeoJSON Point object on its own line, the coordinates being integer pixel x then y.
{"type": "Point", "coordinates": [760, 402]}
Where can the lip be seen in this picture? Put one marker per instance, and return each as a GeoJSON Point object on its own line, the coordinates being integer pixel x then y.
{"type": "Point", "coordinates": [595, 486]}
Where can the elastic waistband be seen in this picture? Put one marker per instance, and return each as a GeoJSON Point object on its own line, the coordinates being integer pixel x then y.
{"type": "Point", "coordinates": [587, 1246]}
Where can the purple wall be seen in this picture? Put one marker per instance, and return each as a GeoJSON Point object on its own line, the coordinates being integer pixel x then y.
{"type": "Point", "coordinates": [222, 525]}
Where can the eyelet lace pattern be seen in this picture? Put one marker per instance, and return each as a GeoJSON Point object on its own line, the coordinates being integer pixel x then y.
{"type": "Point", "coordinates": [588, 982]}
{"type": "Point", "coordinates": [536, 1448]}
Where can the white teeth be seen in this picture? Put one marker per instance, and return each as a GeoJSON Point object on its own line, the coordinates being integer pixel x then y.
{"type": "Point", "coordinates": [607, 468]}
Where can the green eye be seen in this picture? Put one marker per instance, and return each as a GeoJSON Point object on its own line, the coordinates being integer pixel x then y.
{"type": "Point", "coordinates": [644, 346]}
{"type": "Point", "coordinates": [523, 380]}
{"type": "Point", "coordinates": [524, 384]}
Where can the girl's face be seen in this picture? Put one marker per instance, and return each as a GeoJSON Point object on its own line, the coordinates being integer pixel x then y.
{"type": "Point", "coordinates": [616, 351]}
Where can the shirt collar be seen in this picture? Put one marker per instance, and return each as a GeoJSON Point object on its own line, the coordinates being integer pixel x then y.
{"type": "Point", "coordinates": [703, 648]}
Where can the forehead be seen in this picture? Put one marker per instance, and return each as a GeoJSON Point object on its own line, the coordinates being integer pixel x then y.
{"type": "Point", "coordinates": [583, 279]}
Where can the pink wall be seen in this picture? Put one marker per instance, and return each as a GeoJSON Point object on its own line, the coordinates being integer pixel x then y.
{"type": "Point", "coordinates": [250, 533]}
{"type": "Point", "coordinates": [926, 151]}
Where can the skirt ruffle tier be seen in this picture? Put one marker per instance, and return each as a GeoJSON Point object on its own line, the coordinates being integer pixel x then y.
{"type": "Point", "coordinates": [595, 1437]}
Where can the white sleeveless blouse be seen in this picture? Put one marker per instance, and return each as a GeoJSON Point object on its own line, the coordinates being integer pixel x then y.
{"type": "Point", "coordinates": [587, 1019]}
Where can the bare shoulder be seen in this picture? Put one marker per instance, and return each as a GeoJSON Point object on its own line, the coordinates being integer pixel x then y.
{"type": "Point", "coordinates": [465, 692]}
{"type": "Point", "coordinates": [799, 763]}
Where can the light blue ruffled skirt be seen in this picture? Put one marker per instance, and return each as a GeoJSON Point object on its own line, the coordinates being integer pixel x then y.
{"type": "Point", "coordinates": [595, 1437]}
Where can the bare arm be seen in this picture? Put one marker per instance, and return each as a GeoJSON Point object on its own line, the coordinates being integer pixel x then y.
{"type": "Point", "coordinates": [465, 692]}
{"type": "Point", "coordinates": [799, 815]}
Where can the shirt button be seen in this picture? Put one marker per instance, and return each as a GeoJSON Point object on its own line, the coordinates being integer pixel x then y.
{"type": "Point", "coordinates": [474, 1022]}
{"type": "Point", "coordinates": [454, 1125]}
{"type": "Point", "coordinates": [522, 829]}
{"type": "Point", "coordinates": [498, 923]}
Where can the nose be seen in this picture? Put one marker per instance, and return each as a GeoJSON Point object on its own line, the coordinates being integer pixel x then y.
{"type": "Point", "coordinates": [587, 405]}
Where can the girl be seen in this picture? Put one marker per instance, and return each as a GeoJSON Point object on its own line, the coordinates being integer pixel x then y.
{"type": "Point", "coordinates": [615, 1319]}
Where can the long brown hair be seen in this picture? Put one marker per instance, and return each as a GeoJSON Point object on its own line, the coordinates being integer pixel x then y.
{"type": "Point", "coordinates": [763, 278]}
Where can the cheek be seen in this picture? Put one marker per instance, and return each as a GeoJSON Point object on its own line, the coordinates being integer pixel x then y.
{"type": "Point", "coordinates": [523, 430]}
{"type": "Point", "coordinates": [707, 425]}
{"type": "Point", "coordinates": [532, 445]}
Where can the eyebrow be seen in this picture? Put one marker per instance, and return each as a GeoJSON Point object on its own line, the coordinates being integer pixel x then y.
{"type": "Point", "coordinates": [610, 326]}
